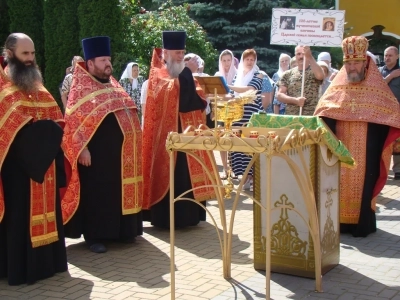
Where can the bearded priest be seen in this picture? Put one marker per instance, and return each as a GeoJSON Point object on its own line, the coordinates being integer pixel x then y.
{"type": "Point", "coordinates": [102, 143]}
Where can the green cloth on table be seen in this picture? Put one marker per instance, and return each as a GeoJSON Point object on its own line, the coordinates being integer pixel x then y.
{"type": "Point", "coordinates": [308, 122]}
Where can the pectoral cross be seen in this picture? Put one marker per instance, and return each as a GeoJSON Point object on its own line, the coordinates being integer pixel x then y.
{"type": "Point", "coordinates": [353, 105]}
{"type": "Point", "coordinates": [50, 178]}
{"type": "Point", "coordinates": [39, 115]}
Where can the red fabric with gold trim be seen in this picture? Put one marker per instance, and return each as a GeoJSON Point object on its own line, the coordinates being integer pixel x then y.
{"type": "Point", "coordinates": [371, 101]}
{"type": "Point", "coordinates": [17, 108]}
{"type": "Point", "coordinates": [162, 97]}
{"type": "Point", "coordinates": [89, 102]}
{"type": "Point", "coordinates": [43, 215]}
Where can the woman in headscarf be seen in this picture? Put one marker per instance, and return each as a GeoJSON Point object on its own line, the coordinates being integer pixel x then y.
{"type": "Point", "coordinates": [132, 84]}
{"type": "Point", "coordinates": [226, 69]}
{"type": "Point", "coordinates": [248, 78]}
{"type": "Point", "coordinates": [284, 65]}
{"type": "Point", "coordinates": [226, 66]}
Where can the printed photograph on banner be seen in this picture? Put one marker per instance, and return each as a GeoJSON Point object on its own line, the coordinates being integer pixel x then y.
{"type": "Point", "coordinates": [308, 27]}
{"type": "Point", "coordinates": [328, 24]}
{"type": "Point", "coordinates": [288, 23]}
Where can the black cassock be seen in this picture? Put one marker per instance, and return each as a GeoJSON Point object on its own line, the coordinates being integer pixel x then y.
{"type": "Point", "coordinates": [99, 215]}
{"type": "Point", "coordinates": [376, 137]}
{"type": "Point", "coordinates": [187, 213]}
{"type": "Point", "coordinates": [33, 150]}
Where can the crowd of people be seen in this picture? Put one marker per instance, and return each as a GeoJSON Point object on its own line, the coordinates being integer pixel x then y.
{"type": "Point", "coordinates": [99, 167]}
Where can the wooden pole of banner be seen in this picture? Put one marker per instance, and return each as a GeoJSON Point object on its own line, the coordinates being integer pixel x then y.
{"type": "Point", "coordinates": [302, 83]}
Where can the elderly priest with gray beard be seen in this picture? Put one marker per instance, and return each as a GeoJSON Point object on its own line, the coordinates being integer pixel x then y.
{"type": "Point", "coordinates": [174, 101]}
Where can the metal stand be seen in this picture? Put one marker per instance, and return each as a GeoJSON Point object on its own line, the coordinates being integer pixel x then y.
{"type": "Point", "coordinates": [264, 144]}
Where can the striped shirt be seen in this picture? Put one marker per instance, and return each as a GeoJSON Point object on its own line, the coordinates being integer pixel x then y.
{"type": "Point", "coordinates": [240, 161]}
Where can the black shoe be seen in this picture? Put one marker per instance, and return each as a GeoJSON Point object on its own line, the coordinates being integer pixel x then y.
{"type": "Point", "coordinates": [98, 248]}
{"type": "Point", "coordinates": [396, 176]}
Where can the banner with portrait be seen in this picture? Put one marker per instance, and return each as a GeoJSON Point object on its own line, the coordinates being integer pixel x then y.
{"type": "Point", "coordinates": [308, 27]}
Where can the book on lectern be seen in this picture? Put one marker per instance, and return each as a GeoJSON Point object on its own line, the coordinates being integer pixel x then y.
{"type": "Point", "coordinates": [210, 83]}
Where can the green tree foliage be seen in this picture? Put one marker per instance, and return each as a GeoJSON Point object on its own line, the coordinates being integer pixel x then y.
{"type": "Point", "coordinates": [4, 21]}
{"type": "Point", "coordinates": [146, 34]}
{"type": "Point", "coordinates": [239, 25]}
{"type": "Point", "coordinates": [104, 17]}
{"type": "Point", "coordinates": [54, 71]}
{"type": "Point", "coordinates": [313, 4]}
{"type": "Point", "coordinates": [27, 16]}
{"type": "Point", "coordinates": [68, 32]}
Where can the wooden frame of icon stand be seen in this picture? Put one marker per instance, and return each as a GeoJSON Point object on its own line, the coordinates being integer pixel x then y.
{"type": "Point", "coordinates": [264, 144]}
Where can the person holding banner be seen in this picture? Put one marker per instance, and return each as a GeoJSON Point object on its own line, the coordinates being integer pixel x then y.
{"type": "Point", "coordinates": [290, 85]}
{"type": "Point", "coordinates": [364, 114]}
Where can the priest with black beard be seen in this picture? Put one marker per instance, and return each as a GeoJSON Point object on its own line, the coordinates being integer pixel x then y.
{"type": "Point", "coordinates": [175, 101]}
{"type": "Point", "coordinates": [32, 245]}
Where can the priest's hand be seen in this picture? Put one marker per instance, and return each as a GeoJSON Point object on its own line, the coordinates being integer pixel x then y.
{"type": "Point", "coordinates": [193, 64]}
{"type": "Point", "coordinates": [84, 158]}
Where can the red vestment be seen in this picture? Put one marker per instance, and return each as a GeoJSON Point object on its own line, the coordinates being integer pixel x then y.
{"type": "Point", "coordinates": [17, 109]}
{"type": "Point", "coordinates": [89, 102]}
{"type": "Point", "coordinates": [162, 116]}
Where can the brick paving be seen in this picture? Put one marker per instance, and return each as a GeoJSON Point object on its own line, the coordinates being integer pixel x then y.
{"type": "Point", "coordinates": [369, 267]}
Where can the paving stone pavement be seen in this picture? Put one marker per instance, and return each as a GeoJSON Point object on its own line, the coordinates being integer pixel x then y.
{"type": "Point", "coordinates": [369, 267]}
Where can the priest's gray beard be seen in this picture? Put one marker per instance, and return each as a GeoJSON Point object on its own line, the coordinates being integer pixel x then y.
{"type": "Point", "coordinates": [174, 68]}
{"type": "Point", "coordinates": [25, 77]}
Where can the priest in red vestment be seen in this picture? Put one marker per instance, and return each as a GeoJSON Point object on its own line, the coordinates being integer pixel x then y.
{"type": "Point", "coordinates": [32, 245]}
{"type": "Point", "coordinates": [102, 144]}
{"type": "Point", "coordinates": [175, 101]}
{"type": "Point", "coordinates": [361, 110]}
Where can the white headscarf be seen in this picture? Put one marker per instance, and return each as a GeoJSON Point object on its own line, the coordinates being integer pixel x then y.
{"type": "Point", "coordinates": [241, 78]}
{"type": "Point", "coordinates": [128, 74]}
{"type": "Point", "coordinates": [232, 69]}
{"type": "Point", "coordinates": [280, 71]}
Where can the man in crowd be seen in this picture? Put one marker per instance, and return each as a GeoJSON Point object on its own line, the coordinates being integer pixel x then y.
{"type": "Point", "coordinates": [102, 142]}
{"type": "Point", "coordinates": [361, 110]}
{"type": "Point", "coordinates": [391, 74]}
{"type": "Point", "coordinates": [32, 245]}
{"type": "Point", "coordinates": [66, 85]}
{"type": "Point", "coordinates": [289, 90]}
{"type": "Point", "coordinates": [174, 101]}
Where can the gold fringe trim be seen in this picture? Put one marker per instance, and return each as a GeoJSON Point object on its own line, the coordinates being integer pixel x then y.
{"type": "Point", "coordinates": [44, 240]}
